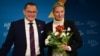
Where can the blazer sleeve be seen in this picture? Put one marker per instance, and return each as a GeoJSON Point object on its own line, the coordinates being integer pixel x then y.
{"type": "Point", "coordinates": [8, 42]}
{"type": "Point", "coordinates": [76, 40]}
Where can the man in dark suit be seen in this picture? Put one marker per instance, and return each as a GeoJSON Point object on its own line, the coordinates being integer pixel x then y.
{"type": "Point", "coordinates": [59, 19]}
{"type": "Point", "coordinates": [19, 36]}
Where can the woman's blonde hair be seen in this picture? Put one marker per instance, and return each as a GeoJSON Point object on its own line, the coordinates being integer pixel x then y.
{"type": "Point", "coordinates": [58, 4]}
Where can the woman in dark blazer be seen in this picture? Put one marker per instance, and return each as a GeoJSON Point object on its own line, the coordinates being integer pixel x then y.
{"type": "Point", "coordinates": [75, 41]}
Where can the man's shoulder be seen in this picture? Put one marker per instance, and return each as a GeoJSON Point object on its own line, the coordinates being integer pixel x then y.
{"type": "Point", "coordinates": [50, 22]}
{"type": "Point", "coordinates": [40, 21]}
{"type": "Point", "coordinates": [18, 21]}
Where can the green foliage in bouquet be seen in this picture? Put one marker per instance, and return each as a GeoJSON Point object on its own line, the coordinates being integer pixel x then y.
{"type": "Point", "coordinates": [56, 39]}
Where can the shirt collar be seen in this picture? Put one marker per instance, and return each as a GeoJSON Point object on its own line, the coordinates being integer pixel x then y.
{"type": "Point", "coordinates": [27, 22]}
{"type": "Point", "coordinates": [58, 22]}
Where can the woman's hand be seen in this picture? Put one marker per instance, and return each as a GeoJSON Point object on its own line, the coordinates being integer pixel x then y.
{"type": "Point", "coordinates": [66, 47]}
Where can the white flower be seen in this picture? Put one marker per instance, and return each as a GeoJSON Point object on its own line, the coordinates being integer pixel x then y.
{"type": "Point", "coordinates": [68, 29]}
{"type": "Point", "coordinates": [68, 33]}
{"type": "Point", "coordinates": [48, 37]}
{"type": "Point", "coordinates": [56, 33]}
{"type": "Point", "coordinates": [62, 34]}
{"type": "Point", "coordinates": [47, 40]}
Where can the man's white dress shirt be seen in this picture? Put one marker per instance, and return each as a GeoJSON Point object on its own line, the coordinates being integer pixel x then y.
{"type": "Point", "coordinates": [37, 48]}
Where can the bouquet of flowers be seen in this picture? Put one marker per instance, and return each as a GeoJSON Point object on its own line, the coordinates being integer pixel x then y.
{"type": "Point", "coordinates": [56, 39]}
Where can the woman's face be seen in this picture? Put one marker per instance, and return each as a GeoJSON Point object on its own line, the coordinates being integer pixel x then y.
{"type": "Point", "coordinates": [59, 13]}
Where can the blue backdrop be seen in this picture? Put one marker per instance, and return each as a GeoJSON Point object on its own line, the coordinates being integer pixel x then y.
{"type": "Point", "coordinates": [85, 13]}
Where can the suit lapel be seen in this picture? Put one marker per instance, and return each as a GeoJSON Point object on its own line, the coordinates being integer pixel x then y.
{"type": "Point", "coordinates": [38, 27]}
{"type": "Point", "coordinates": [50, 26]}
{"type": "Point", "coordinates": [66, 24]}
{"type": "Point", "coordinates": [22, 30]}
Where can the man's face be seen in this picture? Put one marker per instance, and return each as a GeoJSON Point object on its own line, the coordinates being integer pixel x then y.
{"type": "Point", "coordinates": [30, 12]}
{"type": "Point", "coordinates": [59, 13]}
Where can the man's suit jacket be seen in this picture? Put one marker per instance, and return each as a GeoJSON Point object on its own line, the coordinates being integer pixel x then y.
{"type": "Point", "coordinates": [17, 36]}
{"type": "Point", "coordinates": [75, 40]}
